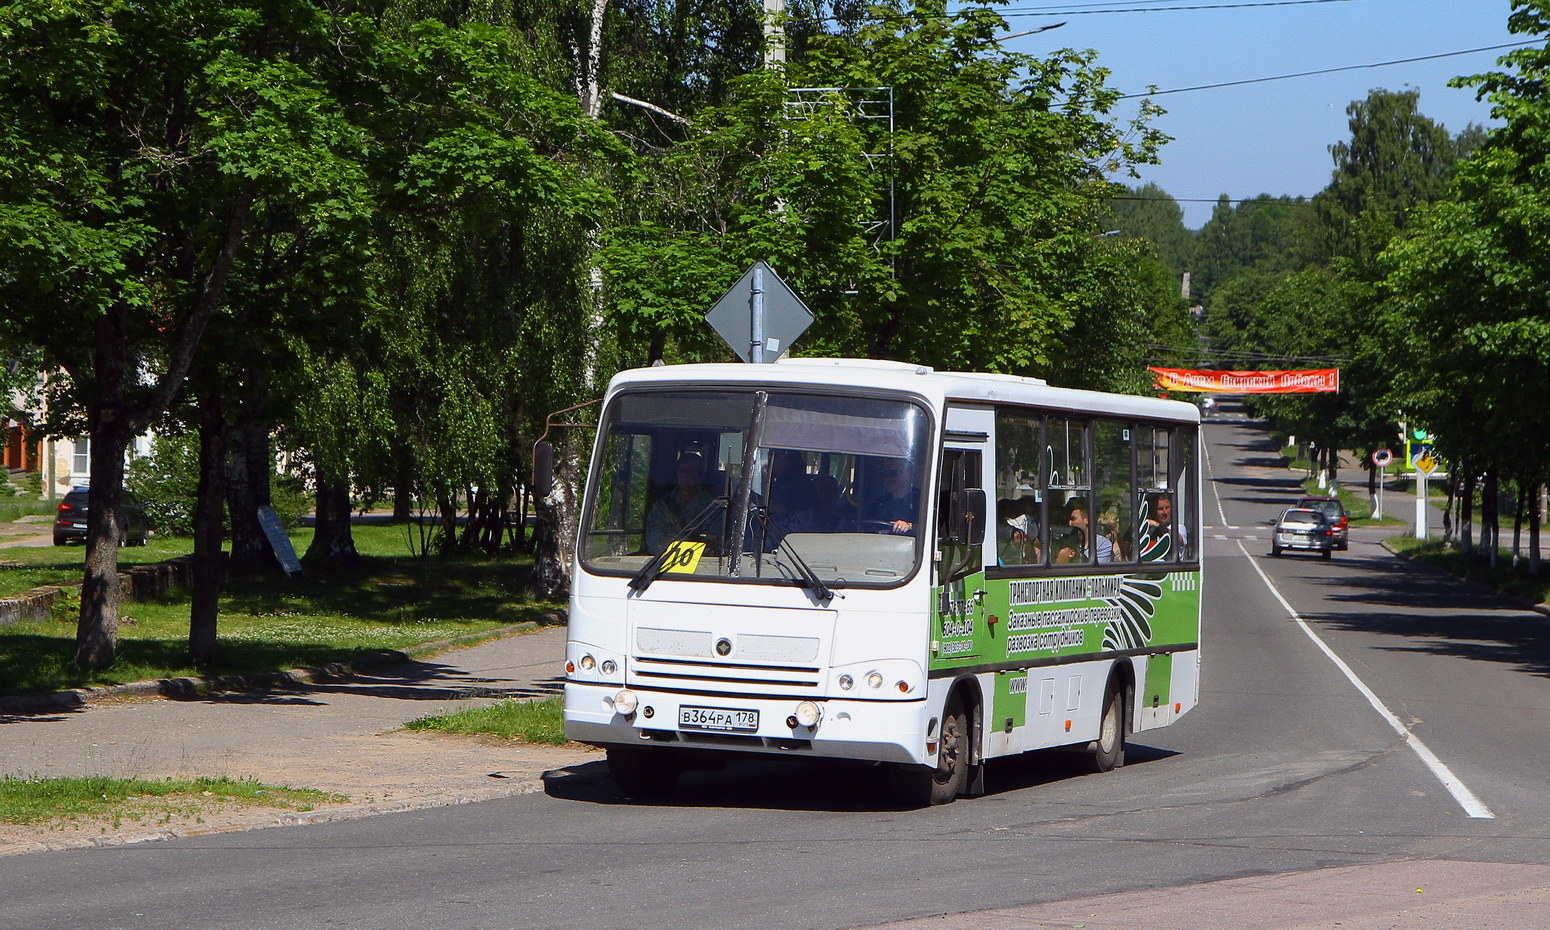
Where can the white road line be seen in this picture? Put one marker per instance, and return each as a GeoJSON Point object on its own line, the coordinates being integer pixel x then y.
{"type": "Point", "coordinates": [1211, 472]}
{"type": "Point", "coordinates": [1466, 799]}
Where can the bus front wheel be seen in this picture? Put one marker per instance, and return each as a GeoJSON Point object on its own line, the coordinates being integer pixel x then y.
{"type": "Point", "coordinates": [925, 785]}
{"type": "Point", "coordinates": [1108, 752]}
{"type": "Point", "coordinates": [644, 773]}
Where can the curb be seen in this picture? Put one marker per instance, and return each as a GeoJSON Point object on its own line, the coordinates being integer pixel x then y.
{"type": "Point", "coordinates": [184, 688]}
{"type": "Point", "coordinates": [528, 785]}
{"type": "Point", "coordinates": [1543, 609]}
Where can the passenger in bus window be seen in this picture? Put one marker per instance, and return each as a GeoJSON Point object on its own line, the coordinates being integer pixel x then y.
{"type": "Point", "coordinates": [1118, 535]}
{"type": "Point", "coordinates": [1100, 542]}
{"type": "Point", "coordinates": [1077, 543]}
{"type": "Point", "coordinates": [1016, 541]}
{"type": "Point", "coordinates": [898, 504]}
{"type": "Point", "coordinates": [831, 511]}
{"type": "Point", "coordinates": [791, 487]}
{"type": "Point", "coordinates": [681, 505]}
{"type": "Point", "coordinates": [1160, 536]}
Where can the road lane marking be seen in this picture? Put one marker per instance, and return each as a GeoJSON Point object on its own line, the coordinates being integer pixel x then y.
{"type": "Point", "coordinates": [1466, 799]}
{"type": "Point", "coordinates": [1211, 472]}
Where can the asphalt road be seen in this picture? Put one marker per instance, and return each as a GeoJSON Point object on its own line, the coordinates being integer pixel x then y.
{"type": "Point", "coordinates": [1292, 762]}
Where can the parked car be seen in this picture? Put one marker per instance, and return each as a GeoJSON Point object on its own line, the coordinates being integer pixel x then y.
{"type": "Point", "coordinates": [70, 520]}
{"type": "Point", "coordinates": [1335, 511]}
{"type": "Point", "coordinates": [1308, 530]}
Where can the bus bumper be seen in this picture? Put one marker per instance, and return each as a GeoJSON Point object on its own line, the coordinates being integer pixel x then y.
{"type": "Point", "coordinates": [875, 731]}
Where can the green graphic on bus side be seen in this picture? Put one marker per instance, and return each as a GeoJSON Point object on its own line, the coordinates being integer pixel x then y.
{"type": "Point", "coordinates": [1010, 707]}
{"type": "Point", "coordinates": [976, 621]}
{"type": "Point", "coordinates": [1159, 676]}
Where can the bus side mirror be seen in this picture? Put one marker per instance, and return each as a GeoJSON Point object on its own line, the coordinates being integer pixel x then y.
{"type": "Point", "coordinates": [969, 510]}
{"type": "Point", "coordinates": [543, 469]}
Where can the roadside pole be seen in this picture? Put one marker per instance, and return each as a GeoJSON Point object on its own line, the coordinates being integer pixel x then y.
{"type": "Point", "coordinates": [1424, 463]}
{"type": "Point", "coordinates": [1380, 459]}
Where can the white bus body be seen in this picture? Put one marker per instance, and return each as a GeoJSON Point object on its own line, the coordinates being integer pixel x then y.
{"type": "Point", "coordinates": [910, 577]}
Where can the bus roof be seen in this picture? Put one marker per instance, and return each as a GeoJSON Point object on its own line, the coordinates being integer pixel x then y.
{"type": "Point", "coordinates": [938, 387]}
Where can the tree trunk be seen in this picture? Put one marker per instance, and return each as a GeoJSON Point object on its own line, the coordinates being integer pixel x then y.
{"type": "Point", "coordinates": [332, 543]}
{"type": "Point", "coordinates": [1489, 517]}
{"type": "Point", "coordinates": [554, 538]}
{"type": "Point", "coordinates": [1467, 516]}
{"type": "Point", "coordinates": [205, 610]}
{"type": "Point", "coordinates": [96, 635]}
{"type": "Point", "coordinates": [1534, 517]}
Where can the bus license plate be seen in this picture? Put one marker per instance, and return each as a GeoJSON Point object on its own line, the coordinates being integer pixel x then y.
{"type": "Point", "coordinates": [718, 718]}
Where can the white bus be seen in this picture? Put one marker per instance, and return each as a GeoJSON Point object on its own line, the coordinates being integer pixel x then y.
{"type": "Point", "coordinates": [925, 570]}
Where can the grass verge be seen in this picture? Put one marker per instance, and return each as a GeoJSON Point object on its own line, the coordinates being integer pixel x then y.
{"type": "Point", "coordinates": [1514, 582]}
{"type": "Point", "coordinates": [528, 721]}
{"type": "Point", "coordinates": [113, 801]}
{"type": "Point", "coordinates": [392, 600]}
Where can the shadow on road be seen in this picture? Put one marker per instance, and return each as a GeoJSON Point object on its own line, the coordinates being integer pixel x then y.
{"type": "Point", "coordinates": [1437, 614]}
{"type": "Point", "coordinates": [825, 785]}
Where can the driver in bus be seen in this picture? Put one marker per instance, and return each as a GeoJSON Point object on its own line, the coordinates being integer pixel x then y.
{"type": "Point", "coordinates": [684, 503]}
{"type": "Point", "coordinates": [898, 504]}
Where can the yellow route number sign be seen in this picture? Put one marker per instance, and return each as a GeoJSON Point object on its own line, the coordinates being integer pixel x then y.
{"type": "Point", "coordinates": [683, 556]}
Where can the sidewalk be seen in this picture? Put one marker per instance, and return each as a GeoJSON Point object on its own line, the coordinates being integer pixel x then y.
{"type": "Point", "coordinates": [342, 736]}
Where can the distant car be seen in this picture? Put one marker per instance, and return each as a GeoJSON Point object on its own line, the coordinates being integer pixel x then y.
{"type": "Point", "coordinates": [1335, 511]}
{"type": "Point", "coordinates": [1307, 530]}
{"type": "Point", "coordinates": [70, 520]}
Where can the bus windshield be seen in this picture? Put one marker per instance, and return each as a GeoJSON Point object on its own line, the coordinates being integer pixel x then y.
{"type": "Point", "coordinates": [834, 490]}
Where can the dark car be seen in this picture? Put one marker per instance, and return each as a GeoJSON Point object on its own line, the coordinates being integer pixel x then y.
{"type": "Point", "coordinates": [1335, 511]}
{"type": "Point", "coordinates": [70, 521]}
{"type": "Point", "coordinates": [1307, 530]}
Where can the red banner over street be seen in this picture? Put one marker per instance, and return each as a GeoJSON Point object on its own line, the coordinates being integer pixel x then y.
{"type": "Point", "coordinates": [1308, 381]}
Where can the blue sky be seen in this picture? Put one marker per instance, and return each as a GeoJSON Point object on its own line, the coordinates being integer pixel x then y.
{"type": "Point", "coordinates": [1273, 137]}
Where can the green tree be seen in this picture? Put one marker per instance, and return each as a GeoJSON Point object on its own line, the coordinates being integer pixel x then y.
{"type": "Point", "coordinates": [1468, 288]}
{"type": "Point", "coordinates": [1395, 160]}
{"type": "Point", "coordinates": [138, 141]}
{"type": "Point", "coordinates": [996, 160]}
{"type": "Point", "coordinates": [1151, 213]}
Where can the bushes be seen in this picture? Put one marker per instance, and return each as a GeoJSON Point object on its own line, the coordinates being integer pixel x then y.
{"type": "Point", "coordinates": [167, 483]}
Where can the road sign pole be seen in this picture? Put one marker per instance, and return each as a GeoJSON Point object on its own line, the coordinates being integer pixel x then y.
{"type": "Point", "coordinates": [1378, 514]}
{"type": "Point", "coordinates": [1420, 504]}
{"type": "Point", "coordinates": [756, 316]}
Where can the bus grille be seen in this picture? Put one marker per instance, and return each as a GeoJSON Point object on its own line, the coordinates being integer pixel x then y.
{"type": "Point", "coordinates": [710, 676]}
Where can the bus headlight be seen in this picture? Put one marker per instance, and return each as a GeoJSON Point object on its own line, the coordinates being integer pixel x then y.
{"type": "Point", "coordinates": [625, 702]}
{"type": "Point", "coordinates": [808, 714]}
{"type": "Point", "coordinates": [587, 662]}
{"type": "Point", "coordinates": [874, 680]}
{"type": "Point", "coordinates": [609, 666]}
{"type": "Point", "coordinates": [847, 682]}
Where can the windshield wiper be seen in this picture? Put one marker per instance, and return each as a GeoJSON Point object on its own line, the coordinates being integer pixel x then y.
{"type": "Point", "coordinates": [808, 577]}
{"type": "Point", "coordinates": [649, 572]}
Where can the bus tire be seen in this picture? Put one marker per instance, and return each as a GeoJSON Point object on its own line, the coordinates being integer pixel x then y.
{"type": "Point", "coordinates": [644, 773]}
{"type": "Point", "coordinates": [1108, 752]}
{"type": "Point", "coordinates": [922, 785]}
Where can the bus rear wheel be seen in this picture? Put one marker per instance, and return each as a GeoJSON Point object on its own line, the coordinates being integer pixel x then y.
{"type": "Point", "coordinates": [1108, 752]}
{"type": "Point", "coordinates": [644, 773]}
{"type": "Point", "coordinates": [921, 785]}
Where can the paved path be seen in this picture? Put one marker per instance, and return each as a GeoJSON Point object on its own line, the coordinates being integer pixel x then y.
{"type": "Point", "coordinates": [341, 736]}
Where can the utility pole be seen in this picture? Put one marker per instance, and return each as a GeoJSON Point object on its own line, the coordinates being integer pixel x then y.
{"type": "Point", "coordinates": [774, 32]}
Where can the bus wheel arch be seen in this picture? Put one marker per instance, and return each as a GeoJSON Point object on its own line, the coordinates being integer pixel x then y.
{"type": "Point", "coordinates": [959, 769]}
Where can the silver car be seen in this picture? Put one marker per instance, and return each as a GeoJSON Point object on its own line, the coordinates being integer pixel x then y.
{"type": "Point", "coordinates": [1308, 530]}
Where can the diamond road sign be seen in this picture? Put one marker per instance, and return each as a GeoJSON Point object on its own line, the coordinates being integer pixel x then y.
{"type": "Point", "coordinates": [785, 316]}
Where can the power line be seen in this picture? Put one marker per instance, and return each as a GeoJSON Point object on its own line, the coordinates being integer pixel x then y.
{"type": "Point", "coordinates": [1069, 11]}
{"type": "Point", "coordinates": [1278, 200]}
{"type": "Point", "coordinates": [1285, 77]}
